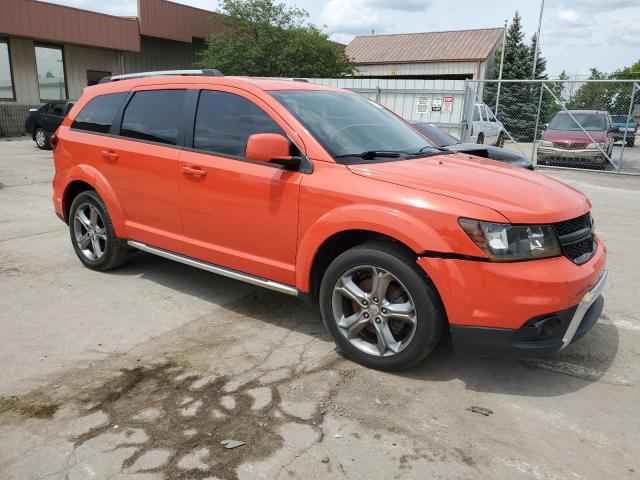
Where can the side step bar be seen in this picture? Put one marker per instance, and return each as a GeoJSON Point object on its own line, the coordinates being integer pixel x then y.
{"type": "Point", "coordinates": [210, 267]}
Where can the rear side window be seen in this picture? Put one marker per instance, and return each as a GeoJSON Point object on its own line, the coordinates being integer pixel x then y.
{"type": "Point", "coordinates": [98, 114]}
{"type": "Point", "coordinates": [58, 109]}
{"type": "Point", "coordinates": [225, 121]}
{"type": "Point", "coordinates": [154, 116]}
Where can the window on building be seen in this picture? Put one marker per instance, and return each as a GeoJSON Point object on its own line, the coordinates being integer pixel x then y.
{"type": "Point", "coordinates": [94, 76]}
{"type": "Point", "coordinates": [98, 114]}
{"type": "Point", "coordinates": [50, 67]}
{"type": "Point", "coordinates": [6, 79]}
{"type": "Point", "coordinates": [225, 121]}
{"type": "Point", "coordinates": [154, 115]}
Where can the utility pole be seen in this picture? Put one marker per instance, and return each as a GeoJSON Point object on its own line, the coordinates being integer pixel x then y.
{"type": "Point", "coordinates": [504, 47]}
{"type": "Point", "coordinates": [535, 51]}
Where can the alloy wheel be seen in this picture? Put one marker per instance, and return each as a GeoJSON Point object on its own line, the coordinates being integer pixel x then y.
{"type": "Point", "coordinates": [374, 311]}
{"type": "Point", "coordinates": [41, 138]}
{"type": "Point", "coordinates": [89, 232]}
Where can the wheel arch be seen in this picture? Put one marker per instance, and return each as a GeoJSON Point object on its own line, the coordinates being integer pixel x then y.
{"type": "Point", "coordinates": [337, 231]}
{"type": "Point", "coordinates": [83, 178]}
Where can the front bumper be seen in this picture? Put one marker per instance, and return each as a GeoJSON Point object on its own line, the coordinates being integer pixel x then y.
{"type": "Point", "coordinates": [545, 153]}
{"type": "Point", "coordinates": [562, 328]}
{"type": "Point", "coordinates": [481, 297]}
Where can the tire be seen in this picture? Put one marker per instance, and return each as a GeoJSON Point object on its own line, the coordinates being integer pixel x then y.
{"type": "Point", "coordinates": [41, 138]}
{"type": "Point", "coordinates": [631, 142]}
{"type": "Point", "coordinates": [414, 338]}
{"type": "Point", "coordinates": [500, 142]}
{"type": "Point", "coordinates": [480, 140]}
{"type": "Point", "coordinates": [93, 225]}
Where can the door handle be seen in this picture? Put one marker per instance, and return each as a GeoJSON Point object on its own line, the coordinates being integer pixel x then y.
{"type": "Point", "coordinates": [194, 171]}
{"type": "Point", "coordinates": [109, 155]}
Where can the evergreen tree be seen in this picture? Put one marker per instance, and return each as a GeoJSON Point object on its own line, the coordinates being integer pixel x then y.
{"type": "Point", "coordinates": [518, 106]}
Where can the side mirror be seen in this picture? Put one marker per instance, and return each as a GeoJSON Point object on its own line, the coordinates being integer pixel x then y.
{"type": "Point", "coordinates": [545, 126]}
{"type": "Point", "coordinates": [615, 130]}
{"type": "Point", "coordinates": [270, 148]}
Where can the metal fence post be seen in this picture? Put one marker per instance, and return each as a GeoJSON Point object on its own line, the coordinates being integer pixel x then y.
{"type": "Point", "coordinates": [378, 94]}
{"type": "Point", "coordinates": [534, 158]}
{"type": "Point", "coordinates": [624, 138]}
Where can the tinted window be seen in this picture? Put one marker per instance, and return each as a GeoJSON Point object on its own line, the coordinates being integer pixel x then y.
{"type": "Point", "coordinates": [154, 115]}
{"type": "Point", "coordinates": [57, 109]}
{"type": "Point", "coordinates": [225, 121]}
{"type": "Point", "coordinates": [441, 137]}
{"type": "Point", "coordinates": [98, 114]}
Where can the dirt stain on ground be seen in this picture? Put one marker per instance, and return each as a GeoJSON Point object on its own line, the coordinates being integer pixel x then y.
{"type": "Point", "coordinates": [29, 406]}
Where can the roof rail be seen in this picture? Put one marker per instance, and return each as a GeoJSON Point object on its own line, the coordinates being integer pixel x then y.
{"type": "Point", "coordinates": [207, 72]}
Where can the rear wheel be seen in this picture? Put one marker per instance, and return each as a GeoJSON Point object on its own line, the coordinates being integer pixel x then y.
{"type": "Point", "coordinates": [92, 233]}
{"type": "Point", "coordinates": [480, 139]}
{"type": "Point", "coordinates": [380, 309]}
{"type": "Point", "coordinates": [631, 141]}
{"type": "Point", "coordinates": [41, 139]}
{"type": "Point", "coordinates": [500, 142]}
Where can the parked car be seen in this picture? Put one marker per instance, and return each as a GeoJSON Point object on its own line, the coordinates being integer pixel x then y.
{"type": "Point", "coordinates": [42, 122]}
{"type": "Point", "coordinates": [565, 142]}
{"type": "Point", "coordinates": [485, 127]}
{"type": "Point", "coordinates": [322, 194]}
{"type": "Point", "coordinates": [443, 140]}
{"type": "Point", "coordinates": [625, 124]}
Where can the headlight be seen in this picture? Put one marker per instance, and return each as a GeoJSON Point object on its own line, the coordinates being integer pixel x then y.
{"type": "Point", "coordinates": [595, 146]}
{"type": "Point", "coordinates": [545, 143]}
{"type": "Point", "coordinates": [508, 243]}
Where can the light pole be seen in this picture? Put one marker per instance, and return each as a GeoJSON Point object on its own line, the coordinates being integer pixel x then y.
{"type": "Point", "coordinates": [535, 51]}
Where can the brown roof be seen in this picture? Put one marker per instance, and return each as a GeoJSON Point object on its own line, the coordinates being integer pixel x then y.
{"type": "Point", "coordinates": [460, 45]}
{"type": "Point", "coordinates": [57, 23]}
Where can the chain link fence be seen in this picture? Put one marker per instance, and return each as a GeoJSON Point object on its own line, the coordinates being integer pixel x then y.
{"type": "Point", "coordinates": [569, 124]}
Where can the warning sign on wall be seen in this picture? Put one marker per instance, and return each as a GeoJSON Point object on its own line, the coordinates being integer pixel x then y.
{"type": "Point", "coordinates": [436, 105]}
{"type": "Point", "coordinates": [422, 106]}
{"type": "Point", "coordinates": [447, 104]}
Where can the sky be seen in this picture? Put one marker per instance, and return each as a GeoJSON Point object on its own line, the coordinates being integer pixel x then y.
{"type": "Point", "coordinates": [576, 34]}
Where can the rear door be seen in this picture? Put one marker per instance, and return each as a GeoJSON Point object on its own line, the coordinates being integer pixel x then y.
{"type": "Point", "coordinates": [140, 164]}
{"type": "Point", "coordinates": [237, 213]}
{"type": "Point", "coordinates": [492, 128]}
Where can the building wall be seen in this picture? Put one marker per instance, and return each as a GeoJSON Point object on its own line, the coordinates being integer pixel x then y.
{"type": "Point", "coordinates": [80, 59]}
{"type": "Point", "coordinates": [156, 54]}
{"type": "Point", "coordinates": [25, 77]}
{"type": "Point", "coordinates": [419, 69]}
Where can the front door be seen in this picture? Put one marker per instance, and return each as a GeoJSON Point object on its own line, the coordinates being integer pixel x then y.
{"type": "Point", "coordinates": [237, 213]}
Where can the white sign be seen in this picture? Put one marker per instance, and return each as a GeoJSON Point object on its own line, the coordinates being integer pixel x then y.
{"type": "Point", "coordinates": [436, 105]}
{"type": "Point", "coordinates": [423, 105]}
{"type": "Point", "coordinates": [447, 104]}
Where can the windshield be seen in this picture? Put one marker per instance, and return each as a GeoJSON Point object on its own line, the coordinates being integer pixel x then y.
{"type": "Point", "coordinates": [441, 137]}
{"type": "Point", "coordinates": [621, 119]}
{"type": "Point", "coordinates": [588, 121]}
{"type": "Point", "coordinates": [349, 126]}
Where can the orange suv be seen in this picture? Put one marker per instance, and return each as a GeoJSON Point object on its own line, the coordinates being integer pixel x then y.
{"type": "Point", "coordinates": [320, 193]}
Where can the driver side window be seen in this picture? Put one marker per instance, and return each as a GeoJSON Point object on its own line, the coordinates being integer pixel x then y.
{"type": "Point", "coordinates": [224, 122]}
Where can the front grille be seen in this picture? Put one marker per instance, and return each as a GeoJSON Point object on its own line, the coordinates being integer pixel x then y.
{"type": "Point", "coordinates": [570, 146]}
{"type": "Point", "coordinates": [576, 238]}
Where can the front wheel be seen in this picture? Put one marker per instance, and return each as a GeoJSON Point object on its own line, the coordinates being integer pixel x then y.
{"type": "Point", "coordinates": [380, 308]}
{"type": "Point", "coordinates": [480, 139]}
{"type": "Point", "coordinates": [631, 142]}
{"type": "Point", "coordinates": [92, 234]}
{"type": "Point", "coordinates": [500, 142]}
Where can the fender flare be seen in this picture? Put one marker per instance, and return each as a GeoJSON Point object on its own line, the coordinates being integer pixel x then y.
{"type": "Point", "coordinates": [415, 234]}
{"type": "Point", "coordinates": [91, 175]}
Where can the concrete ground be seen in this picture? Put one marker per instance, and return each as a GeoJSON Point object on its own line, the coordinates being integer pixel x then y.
{"type": "Point", "coordinates": [142, 372]}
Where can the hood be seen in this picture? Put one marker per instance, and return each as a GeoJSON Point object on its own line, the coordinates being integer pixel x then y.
{"type": "Point", "coordinates": [519, 195]}
{"type": "Point", "coordinates": [573, 136]}
{"type": "Point", "coordinates": [494, 153]}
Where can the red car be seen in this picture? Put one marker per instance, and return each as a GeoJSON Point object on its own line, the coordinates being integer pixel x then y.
{"type": "Point", "coordinates": [322, 194]}
{"type": "Point", "coordinates": [577, 138]}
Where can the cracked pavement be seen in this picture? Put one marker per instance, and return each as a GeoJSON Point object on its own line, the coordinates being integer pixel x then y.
{"type": "Point", "coordinates": [142, 372]}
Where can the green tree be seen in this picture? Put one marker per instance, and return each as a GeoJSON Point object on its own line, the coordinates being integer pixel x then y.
{"type": "Point", "coordinates": [518, 106]}
{"type": "Point", "coordinates": [263, 38]}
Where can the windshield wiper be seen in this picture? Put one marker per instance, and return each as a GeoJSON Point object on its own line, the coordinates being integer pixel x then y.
{"type": "Point", "coordinates": [371, 154]}
{"type": "Point", "coordinates": [440, 149]}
